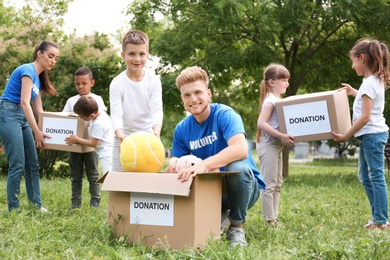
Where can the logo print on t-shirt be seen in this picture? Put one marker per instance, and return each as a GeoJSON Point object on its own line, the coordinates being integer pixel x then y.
{"type": "Point", "coordinates": [202, 142]}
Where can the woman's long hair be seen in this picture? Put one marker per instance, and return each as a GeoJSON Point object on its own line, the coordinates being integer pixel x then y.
{"type": "Point", "coordinates": [46, 86]}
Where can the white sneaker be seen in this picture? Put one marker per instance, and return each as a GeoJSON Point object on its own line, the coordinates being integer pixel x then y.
{"type": "Point", "coordinates": [236, 236]}
{"type": "Point", "coordinates": [43, 210]}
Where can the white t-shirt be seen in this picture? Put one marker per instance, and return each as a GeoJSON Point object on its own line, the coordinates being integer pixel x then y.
{"type": "Point", "coordinates": [273, 121]}
{"type": "Point", "coordinates": [374, 89]}
{"type": "Point", "coordinates": [136, 106]}
{"type": "Point", "coordinates": [101, 128]}
{"type": "Point", "coordinates": [72, 100]}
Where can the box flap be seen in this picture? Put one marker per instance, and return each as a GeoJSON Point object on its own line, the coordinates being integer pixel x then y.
{"type": "Point", "coordinates": [309, 95]}
{"type": "Point", "coordinates": [160, 183]}
{"type": "Point", "coordinates": [47, 113]}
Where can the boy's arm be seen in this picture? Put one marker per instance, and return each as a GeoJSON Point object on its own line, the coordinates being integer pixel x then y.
{"type": "Point", "coordinates": [74, 139]}
{"type": "Point", "coordinates": [116, 110]}
{"type": "Point", "coordinates": [157, 130]}
{"type": "Point", "coordinates": [157, 106]}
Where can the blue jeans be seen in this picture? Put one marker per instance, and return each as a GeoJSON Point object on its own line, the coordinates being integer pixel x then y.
{"type": "Point", "coordinates": [242, 191]}
{"type": "Point", "coordinates": [19, 146]}
{"type": "Point", "coordinates": [372, 174]}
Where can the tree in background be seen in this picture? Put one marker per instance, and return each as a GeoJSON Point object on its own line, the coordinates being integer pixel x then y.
{"type": "Point", "coordinates": [232, 40]}
{"type": "Point", "coordinates": [235, 40]}
{"type": "Point", "coordinates": [21, 30]}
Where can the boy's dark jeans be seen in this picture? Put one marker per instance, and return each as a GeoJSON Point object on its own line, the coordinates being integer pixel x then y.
{"type": "Point", "coordinates": [77, 162]}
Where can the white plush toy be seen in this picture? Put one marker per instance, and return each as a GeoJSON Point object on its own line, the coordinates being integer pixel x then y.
{"type": "Point", "coordinates": [183, 162]}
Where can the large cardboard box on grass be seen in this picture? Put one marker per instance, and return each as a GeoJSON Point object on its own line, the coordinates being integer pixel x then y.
{"type": "Point", "coordinates": [314, 116]}
{"type": "Point", "coordinates": [158, 210]}
{"type": "Point", "coordinates": [60, 125]}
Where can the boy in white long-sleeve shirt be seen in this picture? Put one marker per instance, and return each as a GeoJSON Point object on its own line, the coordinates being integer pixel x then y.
{"type": "Point", "coordinates": [135, 94]}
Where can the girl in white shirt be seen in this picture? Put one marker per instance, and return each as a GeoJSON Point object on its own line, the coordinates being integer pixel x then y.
{"type": "Point", "coordinates": [370, 59]}
{"type": "Point", "coordinates": [270, 140]}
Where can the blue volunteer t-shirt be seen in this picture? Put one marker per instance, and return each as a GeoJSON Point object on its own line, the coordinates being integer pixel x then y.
{"type": "Point", "coordinates": [210, 137]}
{"type": "Point", "coordinates": [13, 88]}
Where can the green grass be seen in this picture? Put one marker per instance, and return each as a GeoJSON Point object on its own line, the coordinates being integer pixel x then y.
{"type": "Point", "coordinates": [322, 212]}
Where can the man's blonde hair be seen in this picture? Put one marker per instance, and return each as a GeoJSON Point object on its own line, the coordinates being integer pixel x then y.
{"type": "Point", "coordinates": [192, 74]}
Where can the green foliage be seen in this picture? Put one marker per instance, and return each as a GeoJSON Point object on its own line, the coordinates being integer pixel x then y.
{"type": "Point", "coordinates": [234, 41]}
{"type": "Point", "coordinates": [322, 212]}
{"type": "Point", "coordinates": [3, 161]}
{"type": "Point", "coordinates": [40, 20]}
{"type": "Point", "coordinates": [344, 149]}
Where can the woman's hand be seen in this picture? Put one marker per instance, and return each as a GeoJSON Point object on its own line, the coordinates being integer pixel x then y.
{"type": "Point", "coordinates": [40, 139]}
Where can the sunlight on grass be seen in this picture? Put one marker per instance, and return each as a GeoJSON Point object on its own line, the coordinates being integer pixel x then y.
{"type": "Point", "coordinates": [322, 212]}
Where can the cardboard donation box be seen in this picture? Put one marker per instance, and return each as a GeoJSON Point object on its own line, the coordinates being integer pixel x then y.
{"type": "Point", "coordinates": [60, 125]}
{"type": "Point", "coordinates": [314, 116]}
{"type": "Point", "coordinates": [158, 210]}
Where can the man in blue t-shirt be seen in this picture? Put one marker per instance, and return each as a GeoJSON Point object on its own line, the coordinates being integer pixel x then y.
{"type": "Point", "coordinates": [216, 134]}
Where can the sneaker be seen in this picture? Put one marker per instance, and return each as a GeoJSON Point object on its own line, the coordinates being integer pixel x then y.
{"type": "Point", "coordinates": [74, 207]}
{"type": "Point", "coordinates": [236, 236]}
{"type": "Point", "coordinates": [43, 210]}
{"type": "Point", "coordinates": [372, 225]}
{"type": "Point", "coordinates": [94, 203]}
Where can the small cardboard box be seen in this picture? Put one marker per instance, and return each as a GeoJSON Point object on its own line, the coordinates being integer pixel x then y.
{"type": "Point", "coordinates": [60, 125]}
{"type": "Point", "coordinates": [314, 116]}
{"type": "Point", "coordinates": [158, 210]}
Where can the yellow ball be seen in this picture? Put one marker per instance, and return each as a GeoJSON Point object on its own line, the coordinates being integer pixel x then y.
{"type": "Point", "coordinates": [142, 152]}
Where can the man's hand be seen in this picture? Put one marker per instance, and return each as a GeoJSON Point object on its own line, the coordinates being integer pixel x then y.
{"type": "Point", "coordinates": [185, 174]}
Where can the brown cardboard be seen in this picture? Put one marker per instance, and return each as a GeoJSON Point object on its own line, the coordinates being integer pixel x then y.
{"type": "Point", "coordinates": [65, 124]}
{"type": "Point", "coordinates": [196, 208]}
{"type": "Point", "coordinates": [311, 117]}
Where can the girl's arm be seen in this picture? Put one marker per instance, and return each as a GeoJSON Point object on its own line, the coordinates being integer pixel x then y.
{"type": "Point", "coordinates": [263, 125]}
{"type": "Point", "coordinates": [359, 123]}
{"type": "Point", "coordinates": [25, 97]}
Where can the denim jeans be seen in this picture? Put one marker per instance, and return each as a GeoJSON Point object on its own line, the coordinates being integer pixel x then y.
{"type": "Point", "coordinates": [242, 191]}
{"type": "Point", "coordinates": [19, 146]}
{"type": "Point", "coordinates": [372, 174]}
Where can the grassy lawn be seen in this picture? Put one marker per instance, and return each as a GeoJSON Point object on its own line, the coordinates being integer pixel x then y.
{"type": "Point", "coordinates": [322, 213]}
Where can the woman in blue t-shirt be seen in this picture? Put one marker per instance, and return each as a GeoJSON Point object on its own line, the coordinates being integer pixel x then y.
{"type": "Point", "coordinates": [17, 121]}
